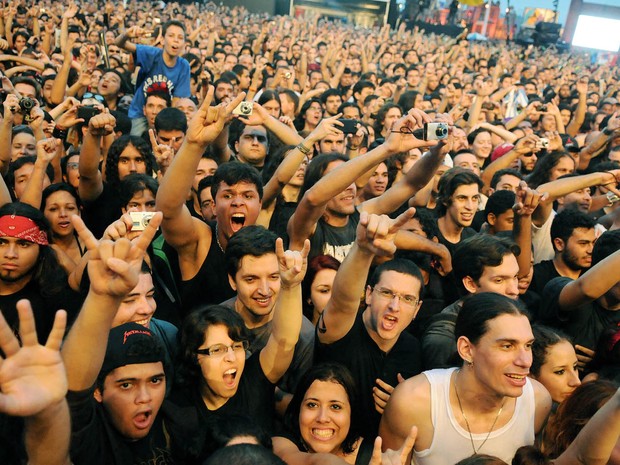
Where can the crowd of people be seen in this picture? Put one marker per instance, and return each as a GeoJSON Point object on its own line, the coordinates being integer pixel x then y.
{"type": "Point", "coordinates": [227, 237]}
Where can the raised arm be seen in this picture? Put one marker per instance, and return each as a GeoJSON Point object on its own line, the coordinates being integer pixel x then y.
{"type": "Point", "coordinates": [526, 202]}
{"type": "Point", "coordinates": [375, 237]}
{"type": "Point", "coordinates": [91, 182]}
{"type": "Point", "coordinates": [596, 441]}
{"type": "Point", "coordinates": [47, 150]}
{"type": "Point", "coordinates": [276, 356]}
{"type": "Point", "coordinates": [282, 131]}
{"type": "Point", "coordinates": [523, 146]}
{"type": "Point", "coordinates": [113, 269]}
{"type": "Point", "coordinates": [33, 384]}
{"type": "Point", "coordinates": [6, 131]}
{"type": "Point", "coordinates": [591, 285]}
{"type": "Point", "coordinates": [131, 33]}
{"type": "Point", "coordinates": [401, 140]}
{"type": "Point", "coordinates": [178, 227]}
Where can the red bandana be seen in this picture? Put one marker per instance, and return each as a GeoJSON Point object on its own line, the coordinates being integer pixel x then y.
{"type": "Point", "coordinates": [21, 227]}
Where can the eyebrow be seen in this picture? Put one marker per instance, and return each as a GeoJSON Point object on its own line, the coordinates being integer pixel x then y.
{"type": "Point", "coordinates": [512, 341]}
{"type": "Point", "coordinates": [124, 380]}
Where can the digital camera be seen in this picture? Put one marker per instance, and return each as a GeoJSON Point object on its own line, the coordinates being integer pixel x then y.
{"type": "Point", "coordinates": [435, 131]}
{"type": "Point", "coordinates": [243, 109]}
{"type": "Point", "coordinates": [140, 220]}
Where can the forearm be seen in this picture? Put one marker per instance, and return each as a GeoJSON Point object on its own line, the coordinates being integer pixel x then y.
{"type": "Point", "coordinates": [597, 280]}
{"type": "Point", "coordinates": [499, 164]}
{"type": "Point", "coordinates": [514, 122]}
{"type": "Point", "coordinates": [284, 173]}
{"type": "Point", "coordinates": [579, 117]}
{"type": "Point", "coordinates": [59, 88]}
{"type": "Point", "coordinates": [596, 441]}
{"type": "Point", "coordinates": [48, 435]}
{"type": "Point", "coordinates": [91, 183]}
{"type": "Point", "coordinates": [283, 131]}
{"type": "Point", "coordinates": [85, 346]}
{"type": "Point", "coordinates": [221, 150]}
{"type": "Point", "coordinates": [561, 187]}
{"type": "Point", "coordinates": [287, 317]}
{"type": "Point", "coordinates": [522, 235]}
{"type": "Point", "coordinates": [6, 130]}
{"type": "Point", "coordinates": [501, 132]}
{"type": "Point", "coordinates": [34, 188]}
{"type": "Point", "coordinates": [178, 179]}
{"type": "Point", "coordinates": [24, 61]}
{"type": "Point", "coordinates": [349, 283]}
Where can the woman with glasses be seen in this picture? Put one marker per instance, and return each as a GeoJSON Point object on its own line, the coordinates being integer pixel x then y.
{"type": "Point", "coordinates": [215, 379]}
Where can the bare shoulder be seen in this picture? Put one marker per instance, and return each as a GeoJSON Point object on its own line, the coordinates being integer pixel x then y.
{"type": "Point", "coordinates": [543, 403]}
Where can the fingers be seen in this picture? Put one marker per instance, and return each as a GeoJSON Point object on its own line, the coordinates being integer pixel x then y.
{"type": "Point", "coordinates": [27, 329]}
{"type": "Point", "coordinates": [235, 102]}
{"type": "Point", "coordinates": [144, 239]}
{"type": "Point", "coordinates": [54, 340]}
{"type": "Point", "coordinates": [154, 143]}
{"type": "Point", "coordinates": [400, 378]}
{"type": "Point", "coordinates": [584, 350]}
{"type": "Point", "coordinates": [203, 111]}
{"type": "Point", "coordinates": [376, 452]}
{"type": "Point", "coordinates": [280, 249]}
{"type": "Point", "coordinates": [408, 445]}
{"type": "Point", "coordinates": [88, 238]}
{"type": "Point", "coordinates": [402, 219]}
{"type": "Point", "coordinates": [385, 386]}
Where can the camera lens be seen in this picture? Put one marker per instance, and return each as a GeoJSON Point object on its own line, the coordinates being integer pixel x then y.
{"type": "Point", "coordinates": [26, 104]}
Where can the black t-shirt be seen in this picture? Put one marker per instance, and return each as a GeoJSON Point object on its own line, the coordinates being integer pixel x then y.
{"type": "Point", "coordinates": [44, 307]}
{"type": "Point", "coordinates": [584, 324]}
{"type": "Point", "coordinates": [358, 352]}
{"type": "Point", "coordinates": [333, 240]}
{"type": "Point", "coordinates": [95, 441]}
{"type": "Point", "coordinates": [188, 419]}
{"type": "Point", "coordinates": [103, 211]}
{"type": "Point", "coordinates": [543, 273]}
{"type": "Point", "coordinates": [209, 286]}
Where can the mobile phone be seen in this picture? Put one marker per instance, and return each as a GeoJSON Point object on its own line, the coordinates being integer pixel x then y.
{"type": "Point", "coordinates": [140, 220]}
{"type": "Point", "coordinates": [349, 126]}
{"type": "Point", "coordinates": [87, 112]}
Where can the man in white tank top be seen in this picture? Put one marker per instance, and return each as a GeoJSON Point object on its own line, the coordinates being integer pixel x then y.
{"type": "Point", "coordinates": [487, 406]}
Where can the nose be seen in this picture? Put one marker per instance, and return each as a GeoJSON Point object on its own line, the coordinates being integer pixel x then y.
{"type": "Point", "coordinates": [230, 355]}
{"type": "Point", "coordinates": [323, 415]}
{"type": "Point", "coordinates": [512, 289]}
{"type": "Point", "coordinates": [574, 380]}
{"type": "Point", "coordinates": [143, 395]}
{"type": "Point", "coordinates": [11, 251]}
{"type": "Point", "coordinates": [524, 358]}
{"type": "Point", "coordinates": [395, 303]}
{"type": "Point", "coordinates": [133, 167]}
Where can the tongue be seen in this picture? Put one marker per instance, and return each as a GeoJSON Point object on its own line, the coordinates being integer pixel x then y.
{"type": "Point", "coordinates": [229, 379]}
{"type": "Point", "coordinates": [141, 420]}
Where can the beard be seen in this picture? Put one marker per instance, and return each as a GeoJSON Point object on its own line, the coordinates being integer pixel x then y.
{"type": "Point", "coordinates": [572, 261]}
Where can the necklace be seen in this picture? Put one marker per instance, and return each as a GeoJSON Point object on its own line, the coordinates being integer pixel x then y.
{"type": "Point", "coordinates": [471, 438]}
{"type": "Point", "coordinates": [217, 238]}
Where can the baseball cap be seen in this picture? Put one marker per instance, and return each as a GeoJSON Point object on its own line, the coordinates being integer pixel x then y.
{"type": "Point", "coordinates": [501, 150]}
{"type": "Point", "coordinates": [131, 344]}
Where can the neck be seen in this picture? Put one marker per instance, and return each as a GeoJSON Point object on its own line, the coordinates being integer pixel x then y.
{"type": "Point", "coordinates": [211, 400]}
{"type": "Point", "coordinates": [12, 287]}
{"type": "Point", "coordinates": [335, 220]}
{"type": "Point", "coordinates": [450, 230]}
{"type": "Point", "coordinates": [563, 269]}
{"type": "Point", "coordinates": [252, 321]}
{"type": "Point", "coordinates": [475, 397]}
{"type": "Point", "coordinates": [169, 60]}
{"type": "Point", "coordinates": [220, 238]}
{"type": "Point", "coordinates": [290, 193]}
{"type": "Point", "coordinates": [64, 242]}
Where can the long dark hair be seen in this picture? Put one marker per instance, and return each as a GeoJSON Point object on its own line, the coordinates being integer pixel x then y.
{"type": "Point", "coordinates": [115, 151]}
{"type": "Point", "coordinates": [542, 170]}
{"type": "Point", "coordinates": [335, 373]}
{"type": "Point", "coordinates": [47, 273]}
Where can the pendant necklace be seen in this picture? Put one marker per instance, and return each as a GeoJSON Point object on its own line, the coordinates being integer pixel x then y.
{"type": "Point", "coordinates": [471, 438]}
{"type": "Point", "coordinates": [217, 238]}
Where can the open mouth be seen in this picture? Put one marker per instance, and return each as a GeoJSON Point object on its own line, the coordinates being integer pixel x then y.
{"type": "Point", "coordinates": [237, 221]}
{"type": "Point", "coordinates": [144, 322]}
{"type": "Point", "coordinates": [230, 376]}
{"type": "Point", "coordinates": [389, 321]}
{"type": "Point", "coordinates": [142, 420]}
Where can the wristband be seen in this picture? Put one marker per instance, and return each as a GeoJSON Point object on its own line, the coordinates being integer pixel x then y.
{"type": "Point", "coordinates": [58, 133]}
{"type": "Point", "coordinates": [303, 149]}
{"type": "Point", "coordinates": [608, 132]}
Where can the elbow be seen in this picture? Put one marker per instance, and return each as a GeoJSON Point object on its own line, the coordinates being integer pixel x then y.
{"type": "Point", "coordinates": [312, 199]}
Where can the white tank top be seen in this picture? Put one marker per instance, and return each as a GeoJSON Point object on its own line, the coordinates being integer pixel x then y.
{"type": "Point", "coordinates": [451, 443]}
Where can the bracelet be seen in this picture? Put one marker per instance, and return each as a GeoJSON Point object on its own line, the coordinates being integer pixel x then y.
{"type": "Point", "coordinates": [608, 132]}
{"type": "Point", "coordinates": [58, 133]}
{"type": "Point", "coordinates": [303, 149]}
{"type": "Point", "coordinates": [612, 198]}
{"type": "Point", "coordinates": [616, 180]}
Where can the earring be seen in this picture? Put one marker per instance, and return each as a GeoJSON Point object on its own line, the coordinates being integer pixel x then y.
{"type": "Point", "coordinates": [470, 363]}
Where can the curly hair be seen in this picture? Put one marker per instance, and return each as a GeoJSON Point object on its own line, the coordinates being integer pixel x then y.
{"type": "Point", "coordinates": [115, 151]}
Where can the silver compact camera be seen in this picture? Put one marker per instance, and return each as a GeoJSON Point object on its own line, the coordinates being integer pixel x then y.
{"type": "Point", "coordinates": [243, 109]}
{"type": "Point", "coordinates": [543, 143]}
{"type": "Point", "coordinates": [140, 220]}
{"type": "Point", "coordinates": [435, 131]}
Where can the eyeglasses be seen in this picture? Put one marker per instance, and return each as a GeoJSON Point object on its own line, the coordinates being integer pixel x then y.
{"type": "Point", "coordinates": [97, 97]}
{"type": "Point", "coordinates": [73, 165]}
{"type": "Point", "coordinates": [219, 350]}
{"type": "Point", "coordinates": [408, 300]}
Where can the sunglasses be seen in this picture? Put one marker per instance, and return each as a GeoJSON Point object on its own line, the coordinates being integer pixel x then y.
{"type": "Point", "coordinates": [97, 97]}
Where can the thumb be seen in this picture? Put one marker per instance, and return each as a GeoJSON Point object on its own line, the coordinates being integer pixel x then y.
{"type": "Point", "coordinates": [400, 378]}
{"type": "Point", "coordinates": [376, 452]}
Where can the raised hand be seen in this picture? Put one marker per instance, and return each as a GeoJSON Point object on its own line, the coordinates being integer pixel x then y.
{"type": "Point", "coordinates": [121, 228]}
{"type": "Point", "coordinates": [48, 149]}
{"type": "Point", "coordinates": [292, 263]}
{"type": "Point", "coordinates": [327, 127]}
{"type": "Point", "coordinates": [11, 104]}
{"type": "Point", "coordinates": [394, 457]}
{"type": "Point", "coordinates": [102, 124]}
{"type": "Point", "coordinates": [375, 233]}
{"type": "Point", "coordinates": [32, 376]}
{"type": "Point", "coordinates": [209, 121]}
{"type": "Point", "coordinates": [163, 153]}
{"type": "Point", "coordinates": [114, 267]}
{"type": "Point", "coordinates": [527, 200]}
{"type": "Point", "coordinates": [401, 138]}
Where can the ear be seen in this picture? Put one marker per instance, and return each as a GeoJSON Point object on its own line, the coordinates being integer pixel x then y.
{"type": "Point", "coordinates": [124, 210]}
{"type": "Point", "coordinates": [470, 284]}
{"type": "Point", "coordinates": [559, 244]}
{"type": "Point", "coordinates": [465, 349]}
{"type": "Point", "coordinates": [237, 147]}
{"type": "Point", "coordinates": [98, 395]}
{"type": "Point", "coordinates": [491, 219]}
{"type": "Point", "coordinates": [231, 281]}
{"type": "Point", "coordinates": [368, 294]}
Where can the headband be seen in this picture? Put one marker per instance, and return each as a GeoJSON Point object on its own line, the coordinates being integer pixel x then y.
{"type": "Point", "coordinates": [21, 227]}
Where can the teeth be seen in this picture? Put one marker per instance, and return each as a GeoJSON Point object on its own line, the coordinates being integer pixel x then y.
{"type": "Point", "coordinates": [323, 433]}
{"type": "Point", "coordinates": [516, 376]}
{"type": "Point", "coordinates": [232, 371]}
{"type": "Point", "coordinates": [142, 322]}
{"type": "Point", "coordinates": [390, 318]}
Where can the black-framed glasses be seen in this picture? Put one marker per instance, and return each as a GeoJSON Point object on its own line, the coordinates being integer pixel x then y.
{"type": "Point", "coordinates": [408, 300]}
{"type": "Point", "coordinates": [97, 97]}
{"type": "Point", "coordinates": [219, 350]}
